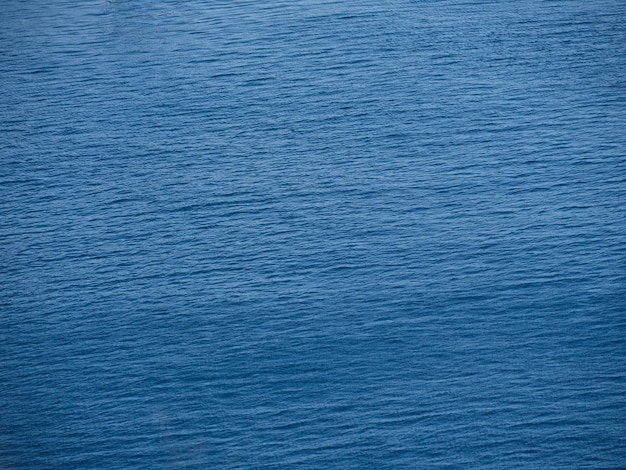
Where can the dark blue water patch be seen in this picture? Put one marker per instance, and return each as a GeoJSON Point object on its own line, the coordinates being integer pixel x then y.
{"type": "Point", "coordinates": [312, 234]}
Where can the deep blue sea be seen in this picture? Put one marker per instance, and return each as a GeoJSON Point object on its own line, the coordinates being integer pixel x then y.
{"type": "Point", "coordinates": [312, 234]}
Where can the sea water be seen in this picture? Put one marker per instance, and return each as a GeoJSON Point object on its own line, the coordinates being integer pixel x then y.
{"type": "Point", "coordinates": [312, 234]}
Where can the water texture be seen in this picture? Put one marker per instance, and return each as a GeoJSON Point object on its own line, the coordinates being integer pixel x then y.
{"type": "Point", "coordinates": [312, 234]}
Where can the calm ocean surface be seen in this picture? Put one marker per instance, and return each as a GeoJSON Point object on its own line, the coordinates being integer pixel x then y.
{"type": "Point", "coordinates": [312, 234]}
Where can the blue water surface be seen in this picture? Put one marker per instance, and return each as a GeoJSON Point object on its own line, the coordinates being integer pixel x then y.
{"type": "Point", "coordinates": [312, 234]}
